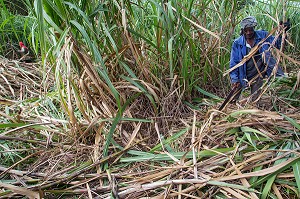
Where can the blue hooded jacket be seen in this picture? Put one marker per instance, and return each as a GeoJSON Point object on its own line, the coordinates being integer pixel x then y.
{"type": "Point", "coordinates": [239, 51]}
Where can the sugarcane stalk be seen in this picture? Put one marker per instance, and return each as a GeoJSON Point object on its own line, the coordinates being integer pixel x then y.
{"type": "Point", "coordinates": [283, 20]}
{"type": "Point", "coordinates": [284, 32]}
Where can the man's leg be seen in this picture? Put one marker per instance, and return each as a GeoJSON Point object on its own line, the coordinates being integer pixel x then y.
{"type": "Point", "coordinates": [255, 89]}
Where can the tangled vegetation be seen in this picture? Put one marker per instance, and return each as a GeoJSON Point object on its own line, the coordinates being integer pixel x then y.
{"type": "Point", "coordinates": [122, 102]}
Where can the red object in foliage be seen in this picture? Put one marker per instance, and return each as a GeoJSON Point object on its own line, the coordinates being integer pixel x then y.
{"type": "Point", "coordinates": [23, 48]}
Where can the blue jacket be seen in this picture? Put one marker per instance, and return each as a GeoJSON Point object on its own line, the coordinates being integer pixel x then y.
{"type": "Point", "coordinates": [239, 50]}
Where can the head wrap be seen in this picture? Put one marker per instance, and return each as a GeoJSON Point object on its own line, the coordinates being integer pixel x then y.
{"type": "Point", "coordinates": [248, 22]}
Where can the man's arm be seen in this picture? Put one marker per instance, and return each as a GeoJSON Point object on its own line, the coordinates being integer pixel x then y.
{"type": "Point", "coordinates": [285, 27]}
{"type": "Point", "coordinates": [234, 60]}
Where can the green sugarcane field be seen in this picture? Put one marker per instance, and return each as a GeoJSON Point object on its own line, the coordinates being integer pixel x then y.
{"type": "Point", "coordinates": [150, 99]}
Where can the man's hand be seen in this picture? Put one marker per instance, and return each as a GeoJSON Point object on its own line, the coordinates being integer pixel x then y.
{"type": "Point", "coordinates": [286, 25]}
{"type": "Point", "coordinates": [235, 85]}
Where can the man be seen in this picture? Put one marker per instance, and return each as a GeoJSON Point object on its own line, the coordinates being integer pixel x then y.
{"type": "Point", "coordinates": [257, 67]}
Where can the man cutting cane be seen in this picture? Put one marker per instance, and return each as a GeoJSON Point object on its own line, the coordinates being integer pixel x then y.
{"type": "Point", "coordinates": [258, 66]}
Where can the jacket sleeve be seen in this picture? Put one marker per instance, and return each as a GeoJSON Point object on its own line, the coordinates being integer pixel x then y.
{"type": "Point", "coordinates": [234, 59]}
{"type": "Point", "coordinates": [271, 39]}
{"type": "Point", "coordinates": [269, 59]}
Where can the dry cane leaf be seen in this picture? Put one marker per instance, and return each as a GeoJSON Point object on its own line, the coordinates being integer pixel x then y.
{"type": "Point", "coordinates": [21, 190]}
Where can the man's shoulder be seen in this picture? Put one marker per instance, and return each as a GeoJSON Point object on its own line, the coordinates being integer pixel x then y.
{"type": "Point", "coordinates": [238, 40]}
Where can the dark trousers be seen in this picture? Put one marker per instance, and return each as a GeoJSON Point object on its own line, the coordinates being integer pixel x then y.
{"type": "Point", "coordinates": [255, 90]}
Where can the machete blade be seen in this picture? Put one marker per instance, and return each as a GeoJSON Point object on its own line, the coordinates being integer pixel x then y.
{"type": "Point", "coordinates": [230, 96]}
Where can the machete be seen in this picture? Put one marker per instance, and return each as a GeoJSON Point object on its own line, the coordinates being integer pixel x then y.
{"type": "Point", "coordinates": [230, 96]}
